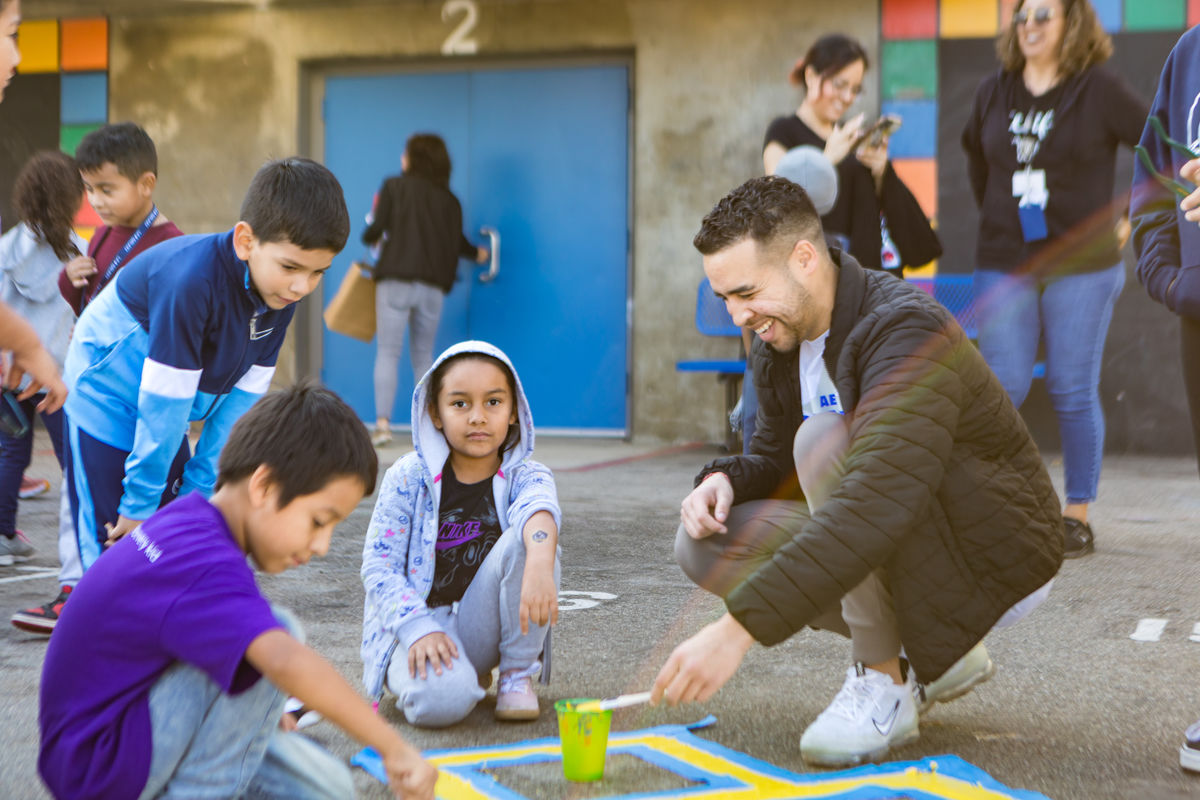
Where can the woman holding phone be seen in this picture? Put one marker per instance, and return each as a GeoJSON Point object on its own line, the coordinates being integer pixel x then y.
{"type": "Point", "coordinates": [1041, 146]}
{"type": "Point", "coordinates": [875, 211]}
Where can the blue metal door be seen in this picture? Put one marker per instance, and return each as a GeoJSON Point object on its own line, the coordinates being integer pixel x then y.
{"type": "Point", "coordinates": [540, 155]}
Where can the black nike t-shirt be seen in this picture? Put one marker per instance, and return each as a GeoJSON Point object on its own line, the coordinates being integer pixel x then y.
{"type": "Point", "coordinates": [468, 529]}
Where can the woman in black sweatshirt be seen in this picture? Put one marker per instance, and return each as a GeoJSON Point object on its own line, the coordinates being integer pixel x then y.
{"type": "Point", "coordinates": [1041, 147]}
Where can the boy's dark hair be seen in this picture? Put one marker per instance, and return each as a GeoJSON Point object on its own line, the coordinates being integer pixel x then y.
{"type": "Point", "coordinates": [46, 196]}
{"type": "Point", "coordinates": [307, 436]}
{"type": "Point", "coordinates": [764, 209]}
{"type": "Point", "coordinates": [428, 158]}
{"type": "Point", "coordinates": [125, 144]}
{"type": "Point", "coordinates": [439, 374]}
{"type": "Point", "coordinates": [299, 201]}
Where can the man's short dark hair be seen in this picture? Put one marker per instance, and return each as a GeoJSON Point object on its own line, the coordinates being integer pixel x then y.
{"type": "Point", "coordinates": [124, 144]}
{"type": "Point", "coordinates": [307, 436]}
{"type": "Point", "coordinates": [763, 209]}
{"type": "Point", "coordinates": [299, 201]}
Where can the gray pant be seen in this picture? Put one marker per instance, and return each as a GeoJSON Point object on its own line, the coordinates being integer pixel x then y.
{"type": "Point", "coordinates": [758, 528]}
{"type": "Point", "coordinates": [486, 627]}
{"type": "Point", "coordinates": [400, 306]}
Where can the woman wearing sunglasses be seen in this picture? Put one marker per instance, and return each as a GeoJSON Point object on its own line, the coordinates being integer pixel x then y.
{"type": "Point", "coordinates": [869, 191]}
{"type": "Point", "coordinates": [1041, 147]}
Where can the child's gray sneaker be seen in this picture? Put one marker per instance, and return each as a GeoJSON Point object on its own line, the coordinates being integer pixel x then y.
{"type": "Point", "coordinates": [14, 548]}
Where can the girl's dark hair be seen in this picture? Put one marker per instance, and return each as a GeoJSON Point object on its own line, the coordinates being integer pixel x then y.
{"type": "Point", "coordinates": [428, 158]}
{"type": "Point", "coordinates": [829, 55]}
{"type": "Point", "coordinates": [439, 374]}
{"type": "Point", "coordinates": [1084, 43]}
{"type": "Point", "coordinates": [307, 436]}
{"type": "Point", "coordinates": [47, 196]}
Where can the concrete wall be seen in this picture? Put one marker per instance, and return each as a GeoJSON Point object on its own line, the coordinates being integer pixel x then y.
{"type": "Point", "coordinates": [220, 93]}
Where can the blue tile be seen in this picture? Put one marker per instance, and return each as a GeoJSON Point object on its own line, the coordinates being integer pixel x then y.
{"type": "Point", "coordinates": [1111, 14]}
{"type": "Point", "coordinates": [84, 98]}
{"type": "Point", "coordinates": [917, 136]}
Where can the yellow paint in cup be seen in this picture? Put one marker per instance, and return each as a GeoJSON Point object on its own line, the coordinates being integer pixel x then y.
{"type": "Point", "coordinates": [584, 738]}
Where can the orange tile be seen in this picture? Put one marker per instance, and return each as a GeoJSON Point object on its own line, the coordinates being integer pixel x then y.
{"type": "Point", "coordinates": [87, 216]}
{"type": "Point", "coordinates": [84, 44]}
{"type": "Point", "coordinates": [1006, 12]}
{"type": "Point", "coordinates": [965, 19]}
{"type": "Point", "coordinates": [920, 176]}
{"type": "Point", "coordinates": [38, 42]}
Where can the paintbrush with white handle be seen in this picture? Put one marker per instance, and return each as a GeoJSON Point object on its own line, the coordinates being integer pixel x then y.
{"type": "Point", "coordinates": [614, 702]}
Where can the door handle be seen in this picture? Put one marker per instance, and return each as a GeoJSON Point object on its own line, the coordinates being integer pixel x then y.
{"type": "Point", "coordinates": [494, 266]}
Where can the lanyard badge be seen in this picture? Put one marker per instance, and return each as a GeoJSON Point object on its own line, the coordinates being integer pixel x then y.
{"type": "Point", "coordinates": [120, 257]}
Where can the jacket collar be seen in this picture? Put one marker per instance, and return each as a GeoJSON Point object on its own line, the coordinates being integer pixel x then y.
{"type": "Point", "coordinates": [239, 273]}
{"type": "Point", "coordinates": [847, 302]}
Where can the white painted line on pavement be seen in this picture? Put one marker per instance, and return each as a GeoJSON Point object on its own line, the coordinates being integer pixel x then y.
{"type": "Point", "coordinates": [34, 572]}
{"type": "Point", "coordinates": [1195, 637]}
{"type": "Point", "coordinates": [1149, 630]}
{"type": "Point", "coordinates": [574, 600]}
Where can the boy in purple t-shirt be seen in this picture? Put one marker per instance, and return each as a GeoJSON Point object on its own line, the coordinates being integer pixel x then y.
{"type": "Point", "coordinates": [153, 680]}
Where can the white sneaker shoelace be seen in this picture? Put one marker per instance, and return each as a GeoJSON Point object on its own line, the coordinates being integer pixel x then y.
{"type": "Point", "coordinates": [519, 681]}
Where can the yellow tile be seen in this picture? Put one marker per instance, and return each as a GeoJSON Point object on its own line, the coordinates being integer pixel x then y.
{"type": "Point", "coordinates": [38, 42]}
{"type": "Point", "coordinates": [963, 19]}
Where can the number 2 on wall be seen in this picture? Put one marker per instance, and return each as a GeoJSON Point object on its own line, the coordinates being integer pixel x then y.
{"type": "Point", "coordinates": [459, 42]}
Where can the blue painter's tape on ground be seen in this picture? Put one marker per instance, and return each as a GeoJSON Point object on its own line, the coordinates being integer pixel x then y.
{"type": "Point", "coordinates": [917, 137]}
{"type": "Point", "coordinates": [714, 767]}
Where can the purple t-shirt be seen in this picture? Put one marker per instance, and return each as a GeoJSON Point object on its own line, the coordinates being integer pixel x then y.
{"type": "Point", "coordinates": [176, 589]}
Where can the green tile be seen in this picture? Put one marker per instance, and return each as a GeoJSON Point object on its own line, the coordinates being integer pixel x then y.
{"type": "Point", "coordinates": [909, 69]}
{"type": "Point", "coordinates": [1155, 15]}
{"type": "Point", "coordinates": [69, 136]}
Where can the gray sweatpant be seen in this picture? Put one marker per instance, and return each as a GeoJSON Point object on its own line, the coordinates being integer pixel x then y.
{"type": "Point", "coordinates": [400, 306]}
{"type": "Point", "coordinates": [486, 627]}
{"type": "Point", "coordinates": [758, 528]}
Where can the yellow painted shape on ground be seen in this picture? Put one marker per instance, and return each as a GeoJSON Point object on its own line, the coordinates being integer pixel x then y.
{"type": "Point", "coordinates": [38, 42]}
{"type": "Point", "coordinates": [757, 785]}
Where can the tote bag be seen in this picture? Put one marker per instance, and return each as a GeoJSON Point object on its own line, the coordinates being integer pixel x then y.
{"type": "Point", "coordinates": [352, 310]}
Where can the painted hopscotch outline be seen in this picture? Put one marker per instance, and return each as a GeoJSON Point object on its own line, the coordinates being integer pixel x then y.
{"type": "Point", "coordinates": [718, 772]}
{"type": "Point", "coordinates": [578, 600]}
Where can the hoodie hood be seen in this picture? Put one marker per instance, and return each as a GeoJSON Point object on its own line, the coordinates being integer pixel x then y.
{"type": "Point", "coordinates": [430, 443]}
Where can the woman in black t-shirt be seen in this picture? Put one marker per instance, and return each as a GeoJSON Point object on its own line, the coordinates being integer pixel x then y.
{"type": "Point", "coordinates": [870, 194]}
{"type": "Point", "coordinates": [1041, 147]}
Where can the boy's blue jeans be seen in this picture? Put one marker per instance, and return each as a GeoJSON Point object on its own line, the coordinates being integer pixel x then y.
{"type": "Point", "coordinates": [1071, 314]}
{"type": "Point", "coordinates": [207, 744]}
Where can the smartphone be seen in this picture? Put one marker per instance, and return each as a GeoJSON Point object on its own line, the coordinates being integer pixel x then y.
{"type": "Point", "coordinates": [878, 133]}
{"type": "Point", "coordinates": [12, 419]}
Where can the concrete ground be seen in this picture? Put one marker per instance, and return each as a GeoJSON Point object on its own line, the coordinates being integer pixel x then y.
{"type": "Point", "coordinates": [1077, 708]}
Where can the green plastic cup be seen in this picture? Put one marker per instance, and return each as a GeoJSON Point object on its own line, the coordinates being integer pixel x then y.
{"type": "Point", "coordinates": [584, 737]}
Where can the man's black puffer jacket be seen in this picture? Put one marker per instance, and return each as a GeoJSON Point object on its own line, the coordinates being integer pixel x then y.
{"type": "Point", "coordinates": [944, 488]}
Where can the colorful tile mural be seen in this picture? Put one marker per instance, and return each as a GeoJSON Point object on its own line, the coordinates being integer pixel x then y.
{"type": "Point", "coordinates": [70, 59]}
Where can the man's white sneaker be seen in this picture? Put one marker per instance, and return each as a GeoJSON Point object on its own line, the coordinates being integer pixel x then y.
{"type": "Point", "coordinates": [1189, 753]}
{"type": "Point", "coordinates": [968, 672]}
{"type": "Point", "coordinates": [869, 716]}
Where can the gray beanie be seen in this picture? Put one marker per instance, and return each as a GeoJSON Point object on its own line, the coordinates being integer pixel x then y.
{"type": "Point", "coordinates": [810, 169]}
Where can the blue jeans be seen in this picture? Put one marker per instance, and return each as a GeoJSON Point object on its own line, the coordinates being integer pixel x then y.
{"type": "Point", "coordinates": [1071, 315]}
{"type": "Point", "coordinates": [208, 744]}
{"type": "Point", "coordinates": [15, 455]}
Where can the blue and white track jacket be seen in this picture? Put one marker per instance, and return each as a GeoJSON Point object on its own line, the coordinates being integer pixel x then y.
{"type": "Point", "coordinates": [179, 335]}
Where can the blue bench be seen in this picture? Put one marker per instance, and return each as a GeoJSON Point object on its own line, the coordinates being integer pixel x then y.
{"type": "Point", "coordinates": [957, 294]}
{"type": "Point", "coordinates": [713, 320]}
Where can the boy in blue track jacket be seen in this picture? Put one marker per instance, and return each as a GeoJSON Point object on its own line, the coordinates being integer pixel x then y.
{"type": "Point", "coordinates": [190, 331]}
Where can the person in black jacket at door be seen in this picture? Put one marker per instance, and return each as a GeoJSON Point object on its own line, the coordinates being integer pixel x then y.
{"type": "Point", "coordinates": [420, 223]}
{"type": "Point", "coordinates": [892, 492]}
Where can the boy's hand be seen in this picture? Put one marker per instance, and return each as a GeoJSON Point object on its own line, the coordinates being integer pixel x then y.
{"type": "Point", "coordinates": [482, 255]}
{"type": "Point", "coordinates": [410, 776]}
{"type": "Point", "coordinates": [44, 377]}
{"type": "Point", "coordinates": [539, 598]}
{"type": "Point", "coordinates": [115, 532]}
{"type": "Point", "coordinates": [437, 649]}
{"type": "Point", "coordinates": [1191, 204]}
{"type": "Point", "coordinates": [79, 269]}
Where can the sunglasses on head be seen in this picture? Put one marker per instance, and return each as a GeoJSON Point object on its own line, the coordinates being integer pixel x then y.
{"type": "Point", "coordinates": [1039, 16]}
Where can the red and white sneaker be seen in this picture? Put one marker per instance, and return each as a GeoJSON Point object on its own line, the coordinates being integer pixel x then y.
{"type": "Point", "coordinates": [32, 487]}
{"type": "Point", "coordinates": [43, 618]}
